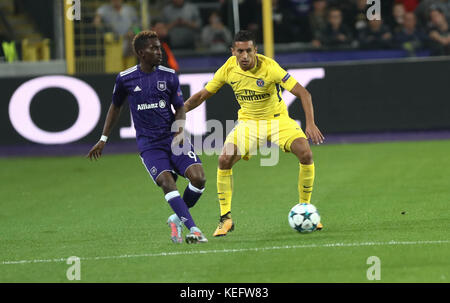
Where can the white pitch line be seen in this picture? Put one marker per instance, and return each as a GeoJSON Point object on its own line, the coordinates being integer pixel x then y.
{"type": "Point", "coordinates": [236, 250]}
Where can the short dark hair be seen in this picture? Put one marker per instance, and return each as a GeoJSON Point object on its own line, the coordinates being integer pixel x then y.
{"type": "Point", "coordinates": [141, 40]}
{"type": "Point", "coordinates": [156, 21]}
{"type": "Point", "coordinates": [334, 8]}
{"type": "Point", "coordinates": [244, 36]}
{"type": "Point", "coordinates": [435, 8]}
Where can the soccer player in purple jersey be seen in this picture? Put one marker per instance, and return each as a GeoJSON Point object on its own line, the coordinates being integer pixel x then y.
{"type": "Point", "coordinates": [152, 90]}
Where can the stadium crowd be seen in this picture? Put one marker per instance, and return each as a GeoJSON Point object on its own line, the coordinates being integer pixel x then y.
{"type": "Point", "coordinates": [324, 24]}
{"type": "Point", "coordinates": [411, 25]}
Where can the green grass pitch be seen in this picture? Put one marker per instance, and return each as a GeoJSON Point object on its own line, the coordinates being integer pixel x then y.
{"type": "Point", "coordinates": [111, 215]}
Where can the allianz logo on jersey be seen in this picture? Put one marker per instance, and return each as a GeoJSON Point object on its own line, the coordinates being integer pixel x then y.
{"type": "Point", "coordinates": [144, 106]}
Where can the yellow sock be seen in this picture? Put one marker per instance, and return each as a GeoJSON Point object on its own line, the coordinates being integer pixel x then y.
{"type": "Point", "coordinates": [224, 189]}
{"type": "Point", "coordinates": [305, 182]}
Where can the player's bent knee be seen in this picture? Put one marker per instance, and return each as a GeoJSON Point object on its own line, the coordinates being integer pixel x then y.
{"type": "Point", "coordinates": [225, 162]}
{"type": "Point", "coordinates": [198, 181]}
{"type": "Point", "coordinates": [301, 149]}
{"type": "Point", "coordinates": [229, 156]}
{"type": "Point", "coordinates": [306, 156]}
{"type": "Point", "coordinates": [196, 176]}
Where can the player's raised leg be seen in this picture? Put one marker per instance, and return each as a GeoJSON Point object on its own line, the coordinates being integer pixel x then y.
{"type": "Point", "coordinates": [227, 159]}
{"type": "Point", "coordinates": [167, 183]}
{"type": "Point", "coordinates": [300, 147]}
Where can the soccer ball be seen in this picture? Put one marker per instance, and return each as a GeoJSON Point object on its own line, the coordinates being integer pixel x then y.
{"type": "Point", "coordinates": [304, 217]}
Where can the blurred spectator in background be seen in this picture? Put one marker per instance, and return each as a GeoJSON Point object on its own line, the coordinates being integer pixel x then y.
{"type": "Point", "coordinates": [285, 25]}
{"type": "Point", "coordinates": [439, 33]}
{"type": "Point", "coordinates": [376, 36]}
{"type": "Point", "coordinates": [250, 17]}
{"type": "Point", "coordinates": [396, 19]}
{"type": "Point", "coordinates": [249, 21]}
{"type": "Point", "coordinates": [356, 17]}
{"type": "Point", "coordinates": [168, 58]}
{"type": "Point", "coordinates": [300, 7]}
{"type": "Point", "coordinates": [318, 19]}
{"type": "Point", "coordinates": [183, 23]}
{"type": "Point", "coordinates": [301, 10]}
{"type": "Point", "coordinates": [336, 33]}
{"type": "Point", "coordinates": [215, 36]}
{"type": "Point", "coordinates": [425, 6]}
{"type": "Point", "coordinates": [283, 22]}
{"type": "Point", "coordinates": [409, 5]}
{"type": "Point", "coordinates": [121, 19]}
{"type": "Point", "coordinates": [410, 37]}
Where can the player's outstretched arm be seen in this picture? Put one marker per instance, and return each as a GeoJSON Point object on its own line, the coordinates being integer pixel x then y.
{"type": "Point", "coordinates": [111, 120]}
{"type": "Point", "coordinates": [196, 99]}
{"type": "Point", "coordinates": [311, 130]}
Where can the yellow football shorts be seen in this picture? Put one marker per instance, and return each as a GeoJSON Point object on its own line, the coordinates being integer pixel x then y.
{"type": "Point", "coordinates": [250, 135]}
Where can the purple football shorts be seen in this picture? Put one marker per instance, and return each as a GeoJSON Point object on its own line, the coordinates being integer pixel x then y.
{"type": "Point", "coordinates": [161, 158]}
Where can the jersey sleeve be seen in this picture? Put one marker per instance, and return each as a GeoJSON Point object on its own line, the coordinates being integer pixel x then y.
{"type": "Point", "coordinates": [219, 79]}
{"type": "Point", "coordinates": [177, 96]}
{"type": "Point", "coordinates": [119, 92]}
{"type": "Point", "coordinates": [282, 77]}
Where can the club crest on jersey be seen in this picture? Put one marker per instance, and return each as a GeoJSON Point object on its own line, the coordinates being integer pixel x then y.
{"type": "Point", "coordinates": [153, 170]}
{"type": "Point", "coordinates": [161, 85]}
{"type": "Point", "coordinates": [162, 103]}
{"type": "Point", "coordinates": [260, 82]}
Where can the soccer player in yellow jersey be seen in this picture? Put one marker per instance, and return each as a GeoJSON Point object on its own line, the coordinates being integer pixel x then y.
{"type": "Point", "coordinates": [256, 82]}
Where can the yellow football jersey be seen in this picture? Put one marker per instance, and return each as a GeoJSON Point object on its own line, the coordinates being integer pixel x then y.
{"type": "Point", "coordinates": [257, 90]}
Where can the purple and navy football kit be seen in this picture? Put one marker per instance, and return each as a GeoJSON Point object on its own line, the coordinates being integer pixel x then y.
{"type": "Point", "coordinates": [151, 97]}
